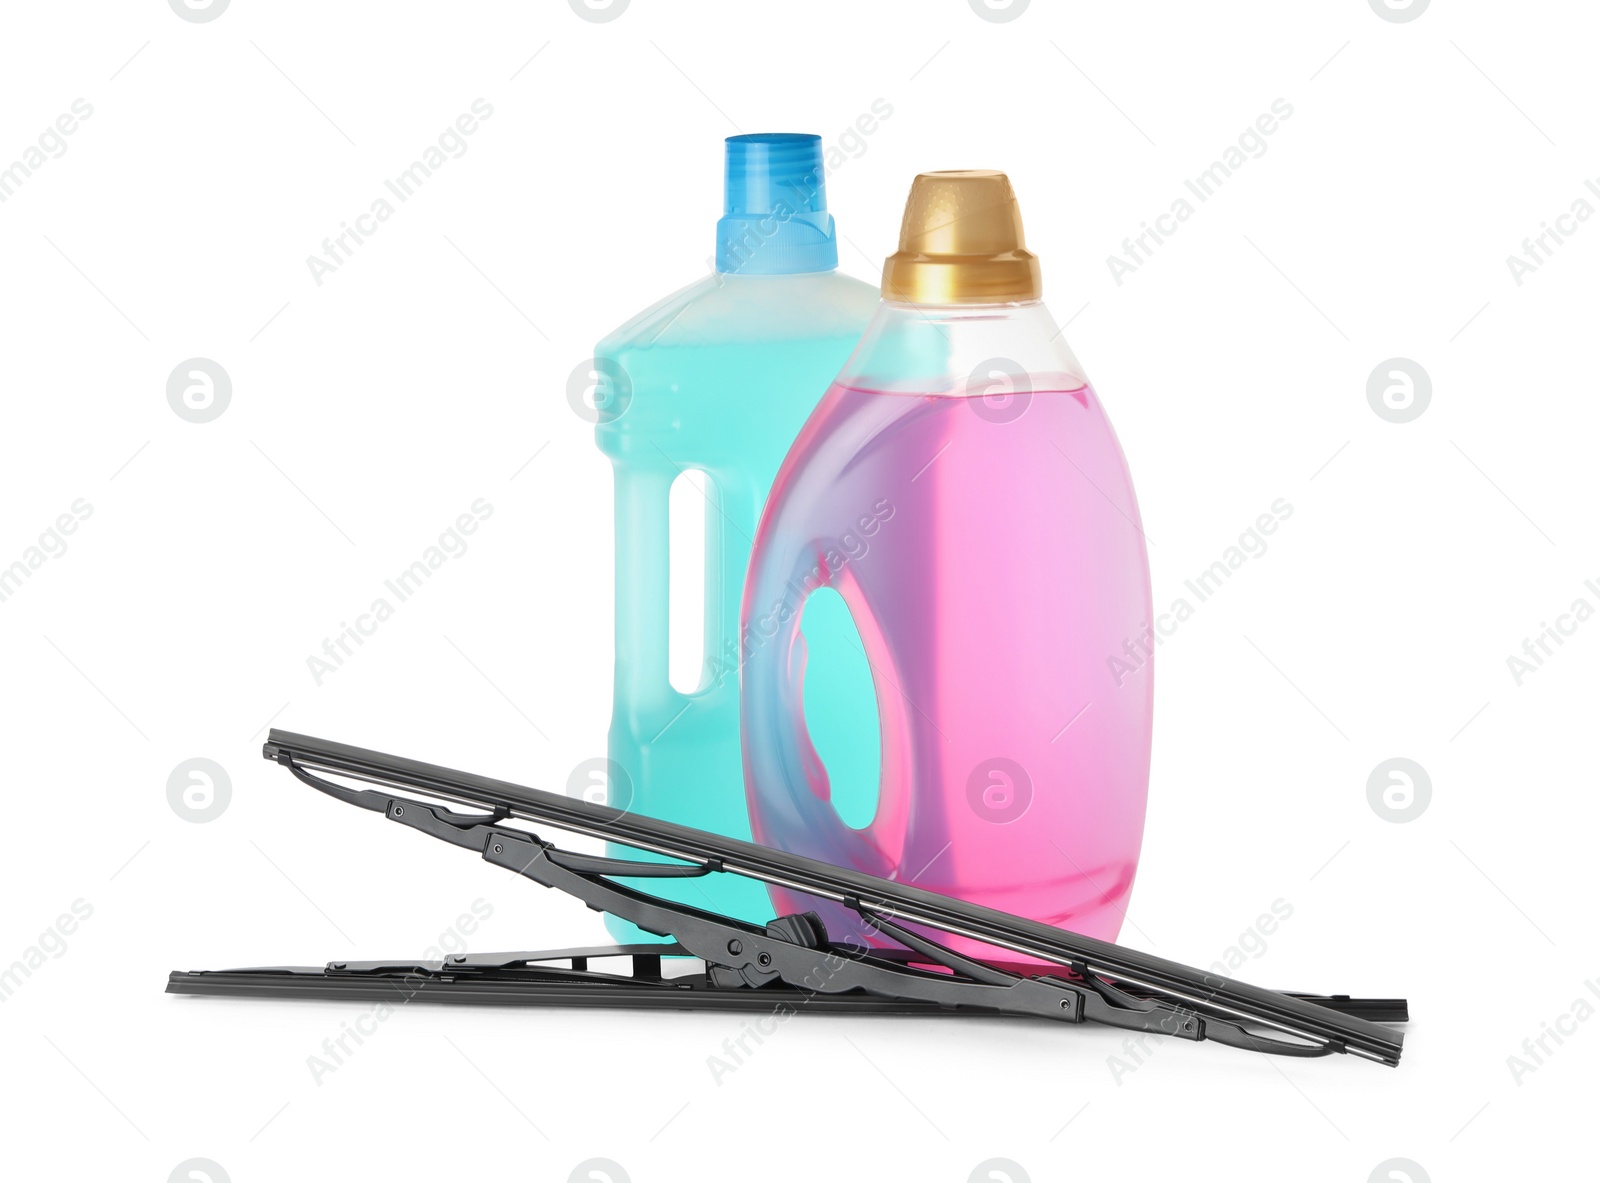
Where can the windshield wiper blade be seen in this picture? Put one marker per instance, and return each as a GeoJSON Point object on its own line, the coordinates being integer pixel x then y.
{"type": "Point", "coordinates": [568, 978]}
{"type": "Point", "coordinates": [1084, 980]}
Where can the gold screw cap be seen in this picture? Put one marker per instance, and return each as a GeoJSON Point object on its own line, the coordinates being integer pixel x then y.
{"type": "Point", "coordinates": [961, 243]}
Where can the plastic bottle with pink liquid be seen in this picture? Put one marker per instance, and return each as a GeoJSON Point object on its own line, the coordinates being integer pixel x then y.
{"type": "Point", "coordinates": [961, 490]}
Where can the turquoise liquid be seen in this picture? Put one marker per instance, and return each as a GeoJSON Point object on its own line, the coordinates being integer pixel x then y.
{"type": "Point", "coordinates": [722, 376]}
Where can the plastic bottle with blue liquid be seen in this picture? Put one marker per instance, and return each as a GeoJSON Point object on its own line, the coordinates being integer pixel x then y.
{"type": "Point", "coordinates": [718, 378]}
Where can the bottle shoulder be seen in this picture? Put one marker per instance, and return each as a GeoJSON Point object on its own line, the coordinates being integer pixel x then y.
{"type": "Point", "coordinates": [963, 350]}
{"type": "Point", "coordinates": [722, 308]}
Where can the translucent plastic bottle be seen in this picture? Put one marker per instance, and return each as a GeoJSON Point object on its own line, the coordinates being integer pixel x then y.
{"type": "Point", "coordinates": [1006, 571]}
{"type": "Point", "coordinates": [718, 378]}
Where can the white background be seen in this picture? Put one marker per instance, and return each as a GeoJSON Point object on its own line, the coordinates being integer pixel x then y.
{"type": "Point", "coordinates": [430, 370]}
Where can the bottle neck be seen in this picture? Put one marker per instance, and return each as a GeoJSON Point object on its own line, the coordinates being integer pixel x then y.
{"type": "Point", "coordinates": [776, 243]}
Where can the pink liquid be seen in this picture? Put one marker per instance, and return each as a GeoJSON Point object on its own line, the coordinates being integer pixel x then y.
{"type": "Point", "coordinates": [992, 559]}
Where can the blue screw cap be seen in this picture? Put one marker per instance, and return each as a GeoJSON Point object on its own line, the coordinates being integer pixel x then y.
{"type": "Point", "coordinates": [776, 219]}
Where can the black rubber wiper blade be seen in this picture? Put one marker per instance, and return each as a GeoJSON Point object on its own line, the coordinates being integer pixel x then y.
{"type": "Point", "coordinates": [566, 978]}
{"type": "Point", "coordinates": [1099, 981]}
